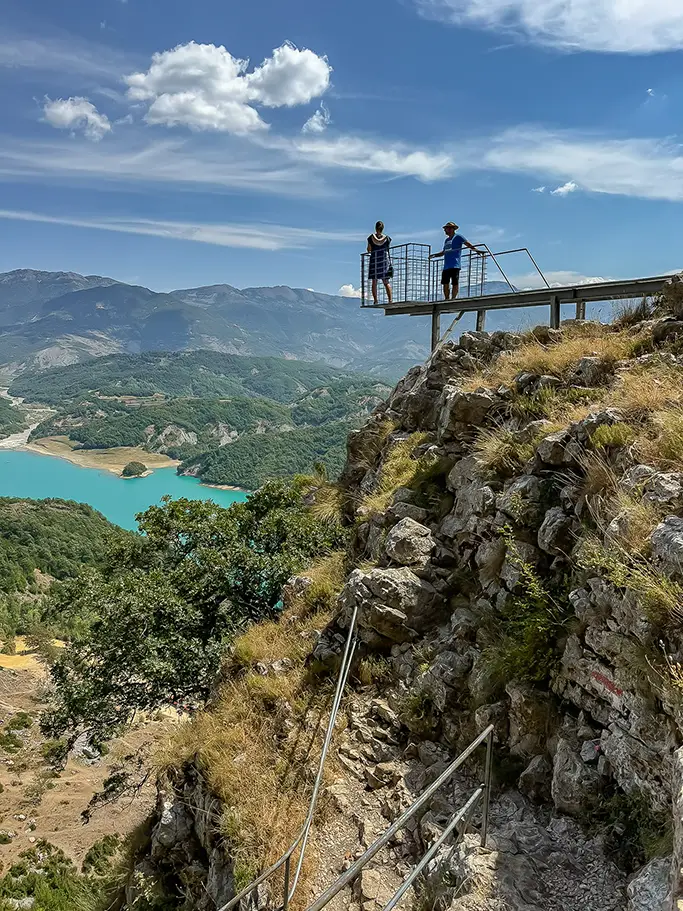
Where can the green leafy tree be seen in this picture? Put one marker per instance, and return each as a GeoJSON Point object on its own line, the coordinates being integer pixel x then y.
{"type": "Point", "coordinates": [155, 622]}
{"type": "Point", "coordinates": [133, 470]}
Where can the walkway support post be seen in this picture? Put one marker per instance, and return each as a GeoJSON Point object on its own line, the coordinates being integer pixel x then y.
{"type": "Point", "coordinates": [436, 328]}
{"type": "Point", "coordinates": [481, 321]}
{"type": "Point", "coordinates": [555, 312]}
{"type": "Point", "coordinates": [580, 309]}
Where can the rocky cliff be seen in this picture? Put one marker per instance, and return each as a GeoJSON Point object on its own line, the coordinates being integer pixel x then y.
{"type": "Point", "coordinates": [516, 559]}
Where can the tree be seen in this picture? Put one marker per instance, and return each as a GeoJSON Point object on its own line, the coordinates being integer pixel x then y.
{"type": "Point", "coordinates": [156, 620]}
{"type": "Point", "coordinates": [133, 470]}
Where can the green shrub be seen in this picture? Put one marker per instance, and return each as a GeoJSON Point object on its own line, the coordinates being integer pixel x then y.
{"type": "Point", "coordinates": [10, 742]}
{"type": "Point", "coordinates": [133, 470]}
{"type": "Point", "coordinates": [612, 436]}
{"type": "Point", "coordinates": [634, 832]}
{"type": "Point", "coordinates": [20, 721]}
{"type": "Point", "coordinates": [527, 630]}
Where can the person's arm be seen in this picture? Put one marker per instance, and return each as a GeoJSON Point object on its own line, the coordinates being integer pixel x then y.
{"type": "Point", "coordinates": [436, 255]}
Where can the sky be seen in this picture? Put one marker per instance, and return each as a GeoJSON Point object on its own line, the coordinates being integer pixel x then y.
{"type": "Point", "coordinates": [179, 144]}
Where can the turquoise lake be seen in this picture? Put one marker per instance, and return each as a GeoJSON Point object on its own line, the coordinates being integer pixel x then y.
{"type": "Point", "coordinates": [27, 474]}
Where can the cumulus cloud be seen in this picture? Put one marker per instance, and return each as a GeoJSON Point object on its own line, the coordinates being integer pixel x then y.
{"type": "Point", "coordinates": [626, 26]}
{"type": "Point", "coordinates": [204, 87]}
{"type": "Point", "coordinates": [565, 189]}
{"type": "Point", "coordinates": [318, 122]}
{"type": "Point", "coordinates": [76, 114]}
{"type": "Point", "coordinates": [349, 291]}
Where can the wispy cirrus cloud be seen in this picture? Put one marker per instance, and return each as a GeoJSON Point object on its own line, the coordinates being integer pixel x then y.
{"type": "Point", "coordinates": [611, 26]}
{"type": "Point", "coordinates": [222, 234]}
{"type": "Point", "coordinates": [64, 55]}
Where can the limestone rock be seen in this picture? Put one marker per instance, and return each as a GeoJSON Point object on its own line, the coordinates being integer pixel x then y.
{"type": "Point", "coordinates": [553, 448]}
{"type": "Point", "coordinates": [558, 532]}
{"type": "Point", "coordinates": [667, 544]}
{"type": "Point", "coordinates": [649, 889]}
{"type": "Point", "coordinates": [677, 862]}
{"type": "Point", "coordinates": [665, 489]}
{"type": "Point", "coordinates": [575, 786]}
{"type": "Point", "coordinates": [533, 719]}
{"type": "Point", "coordinates": [392, 603]}
{"type": "Point", "coordinates": [536, 780]}
{"type": "Point", "coordinates": [409, 543]}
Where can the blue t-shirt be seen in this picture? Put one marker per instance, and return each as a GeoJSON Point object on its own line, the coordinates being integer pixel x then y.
{"type": "Point", "coordinates": [452, 249]}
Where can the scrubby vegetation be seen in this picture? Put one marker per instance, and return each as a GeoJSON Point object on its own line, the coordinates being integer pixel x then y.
{"type": "Point", "coordinates": [196, 374]}
{"type": "Point", "coordinates": [151, 627]}
{"type": "Point", "coordinates": [53, 536]}
{"type": "Point", "coordinates": [12, 419]}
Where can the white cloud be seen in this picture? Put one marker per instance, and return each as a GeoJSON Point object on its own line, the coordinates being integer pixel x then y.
{"type": "Point", "coordinates": [645, 168]}
{"type": "Point", "coordinates": [349, 291]}
{"type": "Point", "coordinates": [61, 55]}
{"type": "Point", "coordinates": [235, 234]}
{"type": "Point", "coordinates": [359, 154]}
{"type": "Point", "coordinates": [204, 87]}
{"type": "Point", "coordinates": [565, 189]}
{"type": "Point", "coordinates": [627, 26]}
{"type": "Point", "coordinates": [290, 77]}
{"type": "Point", "coordinates": [318, 122]}
{"type": "Point", "coordinates": [651, 92]}
{"type": "Point", "coordinates": [557, 279]}
{"type": "Point", "coordinates": [538, 190]}
{"type": "Point", "coordinates": [76, 114]}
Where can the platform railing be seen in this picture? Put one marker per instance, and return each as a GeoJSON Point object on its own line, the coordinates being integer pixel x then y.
{"type": "Point", "coordinates": [460, 820]}
{"type": "Point", "coordinates": [417, 278]}
{"type": "Point", "coordinates": [301, 841]}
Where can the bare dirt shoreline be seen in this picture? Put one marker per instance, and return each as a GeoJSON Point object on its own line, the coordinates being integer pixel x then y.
{"type": "Point", "coordinates": [113, 460]}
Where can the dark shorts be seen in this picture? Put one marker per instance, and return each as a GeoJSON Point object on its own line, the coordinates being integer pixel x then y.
{"type": "Point", "coordinates": [450, 275]}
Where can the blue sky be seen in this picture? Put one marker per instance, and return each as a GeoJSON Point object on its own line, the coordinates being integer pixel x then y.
{"type": "Point", "coordinates": [180, 144]}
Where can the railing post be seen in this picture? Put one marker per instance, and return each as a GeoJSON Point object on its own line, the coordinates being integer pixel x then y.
{"type": "Point", "coordinates": [285, 900]}
{"type": "Point", "coordinates": [436, 328]}
{"type": "Point", "coordinates": [554, 312]}
{"type": "Point", "coordinates": [487, 789]}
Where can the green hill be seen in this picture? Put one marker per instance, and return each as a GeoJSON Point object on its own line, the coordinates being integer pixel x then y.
{"type": "Point", "coordinates": [54, 536]}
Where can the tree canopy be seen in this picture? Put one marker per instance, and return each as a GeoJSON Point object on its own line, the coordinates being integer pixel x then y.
{"type": "Point", "coordinates": [155, 621]}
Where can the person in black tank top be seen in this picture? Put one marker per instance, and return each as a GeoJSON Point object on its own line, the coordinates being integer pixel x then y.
{"type": "Point", "coordinates": [380, 261]}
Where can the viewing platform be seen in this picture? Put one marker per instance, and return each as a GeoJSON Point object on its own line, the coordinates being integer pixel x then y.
{"type": "Point", "coordinates": [484, 286]}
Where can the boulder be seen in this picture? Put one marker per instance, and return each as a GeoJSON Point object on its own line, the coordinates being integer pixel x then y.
{"type": "Point", "coordinates": [592, 371]}
{"type": "Point", "coordinates": [393, 604]}
{"type": "Point", "coordinates": [649, 889]}
{"type": "Point", "coordinates": [463, 408]}
{"type": "Point", "coordinates": [409, 543]}
{"type": "Point", "coordinates": [533, 719]}
{"type": "Point", "coordinates": [667, 544]}
{"type": "Point", "coordinates": [536, 780]}
{"type": "Point", "coordinates": [551, 450]}
{"type": "Point", "coordinates": [406, 511]}
{"type": "Point", "coordinates": [557, 534]}
{"type": "Point", "coordinates": [520, 500]}
{"type": "Point", "coordinates": [575, 786]}
{"type": "Point", "coordinates": [665, 489]}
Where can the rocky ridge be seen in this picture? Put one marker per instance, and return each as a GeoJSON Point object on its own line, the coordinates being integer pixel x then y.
{"type": "Point", "coordinates": [518, 563]}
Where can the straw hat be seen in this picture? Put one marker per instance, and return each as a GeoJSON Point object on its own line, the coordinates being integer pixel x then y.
{"type": "Point", "coordinates": [451, 224]}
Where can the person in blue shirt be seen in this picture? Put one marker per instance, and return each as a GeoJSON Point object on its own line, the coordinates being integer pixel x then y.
{"type": "Point", "coordinates": [452, 254]}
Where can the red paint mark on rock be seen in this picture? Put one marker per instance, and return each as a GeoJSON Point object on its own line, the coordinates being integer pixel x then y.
{"type": "Point", "coordinates": [607, 683]}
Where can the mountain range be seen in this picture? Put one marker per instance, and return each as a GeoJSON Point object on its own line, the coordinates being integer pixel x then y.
{"type": "Point", "coordinates": [56, 318]}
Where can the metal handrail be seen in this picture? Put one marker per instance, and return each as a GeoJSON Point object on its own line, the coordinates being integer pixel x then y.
{"type": "Point", "coordinates": [302, 838]}
{"type": "Point", "coordinates": [505, 253]}
{"type": "Point", "coordinates": [464, 814]}
{"type": "Point", "coordinates": [348, 877]}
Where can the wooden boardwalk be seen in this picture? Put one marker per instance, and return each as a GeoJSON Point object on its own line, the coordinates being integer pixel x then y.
{"type": "Point", "coordinates": [553, 298]}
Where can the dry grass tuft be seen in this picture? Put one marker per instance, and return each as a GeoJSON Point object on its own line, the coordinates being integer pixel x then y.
{"type": "Point", "coordinates": [258, 743]}
{"type": "Point", "coordinates": [640, 393]}
{"type": "Point", "coordinates": [556, 358]}
{"type": "Point", "coordinates": [662, 444]}
{"type": "Point", "coordinates": [399, 469]}
{"type": "Point", "coordinates": [499, 451]}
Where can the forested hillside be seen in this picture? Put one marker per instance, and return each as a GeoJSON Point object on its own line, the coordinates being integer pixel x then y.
{"type": "Point", "coordinates": [194, 373]}
{"type": "Point", "coordinates": [11, 418]}
{"type": "Point", "coordinates": [230, 420]}
{"type": "Point", "coordinates": [56, 537]}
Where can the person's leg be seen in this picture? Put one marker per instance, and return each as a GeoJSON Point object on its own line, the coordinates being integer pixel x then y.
{"type": "Point", "coordinates": [387, 285]}
{"type": "Point", "coordinates": [445, 281]}
{"type": "Point", "coordinates": [374, 290]}
{"type": "Point", "coordinates": [456, 285]}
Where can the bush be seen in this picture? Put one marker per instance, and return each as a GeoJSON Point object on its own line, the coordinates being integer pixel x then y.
{"type": "Point", "coordinates": [20, 721]}
{"type": "Point", "coordinates": [133, 470]}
